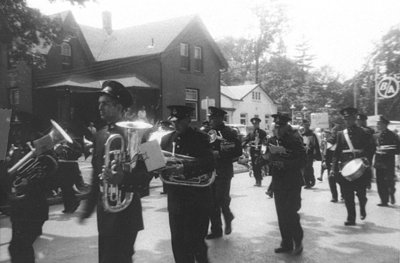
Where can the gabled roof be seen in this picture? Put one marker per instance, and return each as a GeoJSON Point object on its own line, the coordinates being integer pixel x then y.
{"type": "Point", "coordinates": [147, 39]}
{"type": "Point", "coordinates": [237, 92]}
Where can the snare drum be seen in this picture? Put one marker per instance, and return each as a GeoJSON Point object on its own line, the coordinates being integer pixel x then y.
{"type": "Point", "coordinates": [355, 168]}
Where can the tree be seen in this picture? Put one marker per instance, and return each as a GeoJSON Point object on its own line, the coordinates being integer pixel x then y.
{"type": "Point", "coordinates": [27, 28]}
{"type": "Point", "coordinates": [386, 55]}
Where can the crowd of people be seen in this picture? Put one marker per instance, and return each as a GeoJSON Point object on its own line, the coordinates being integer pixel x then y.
{"type": "Point", "coordinates": [196, 211]}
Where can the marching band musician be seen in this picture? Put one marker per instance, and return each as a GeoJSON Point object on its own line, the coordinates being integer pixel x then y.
{"type": "Point", "coordinates": [286, 157]}
{"type": "Point", "coordinates": [313, 153]}
{"type": "Point", "coordinates": [353, 142]}
{"type": "Point", "coordinates": [362, 123]}
{"type": "Point", "coordinates": [188, 206]}
{"type": "Point", "coordinates": [387, 146]}
{"type": "Point", "coordinates": [225, 150]}
{"type": "Point", "coordinates": [255, 140]}
{"type": "Point", "coordinates": [117, 230]}
{"type": "Point", "coordinates": [28, 213]}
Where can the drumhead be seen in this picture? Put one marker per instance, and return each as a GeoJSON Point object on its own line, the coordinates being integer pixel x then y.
{"type": "Point", "coordinates": [351, 167]}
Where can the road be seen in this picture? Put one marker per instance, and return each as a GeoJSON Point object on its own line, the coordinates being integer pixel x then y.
{"type": "Point", "coordinates": [255, 230]}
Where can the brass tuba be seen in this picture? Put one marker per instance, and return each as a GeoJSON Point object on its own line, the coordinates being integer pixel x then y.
{"type": "Point", "coordinates": [114, 198]}
{"type": "Point", "coordinates": [36, 163]}
{"type": "Point", "coordinates": [174, 178]}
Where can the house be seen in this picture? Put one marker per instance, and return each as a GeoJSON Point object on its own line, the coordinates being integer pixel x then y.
{"type": "Point", "coordinates": [244, 102]}
{"type": "Point", "coordinates": [175, 61]}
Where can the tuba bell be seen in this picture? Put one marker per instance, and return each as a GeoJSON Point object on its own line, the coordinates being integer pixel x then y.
{"type": "Point", "coordinates": [114, 198]}
{"type": "Point", "coordinates": [36, 163]}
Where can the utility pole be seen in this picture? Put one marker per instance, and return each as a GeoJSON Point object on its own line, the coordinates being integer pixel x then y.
{"type": "Point", "coordinates": [376, 90]}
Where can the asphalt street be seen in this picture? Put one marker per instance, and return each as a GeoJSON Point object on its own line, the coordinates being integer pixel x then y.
{"type": "Point", "coordinates": [255, 230]}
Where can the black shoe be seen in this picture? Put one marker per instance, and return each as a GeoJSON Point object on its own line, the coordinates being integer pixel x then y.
{"type": "Point", "coordinates": [213, 236]}
{"type": "Point", "coordinates": [283, 250]}
{"type": "Point", "coordinates": [228, 226]}
{"type": "Point", "coordinates": [363, 214]}
{"type": "Point", "coordinates": [307, 187]}
{"type": "Point", "coordinates": [382, 204]}
{"type": "Point", "coordinates": [270, 193]}
{"type": "Point", "coordinates": [71, 209]}
{"type": "Point", "coordinates": [392, 199]}
{"type": "Point", "coordinates": [298, 249]}
{"type": "Point", "coordinates": [349, 223]}
{"type": "Point", "coordinates": [333, 200]}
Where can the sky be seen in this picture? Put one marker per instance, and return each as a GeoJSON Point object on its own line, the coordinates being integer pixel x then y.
{"type": "Point", "coordinates": [340, 33]}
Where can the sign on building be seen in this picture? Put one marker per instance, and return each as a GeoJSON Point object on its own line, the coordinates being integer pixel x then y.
{"type": "Point", "coordinates": [319, 120]}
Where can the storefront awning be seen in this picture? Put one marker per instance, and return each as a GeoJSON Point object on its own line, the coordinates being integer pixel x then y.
{"type": "Point", "coordinates": [85, 85]}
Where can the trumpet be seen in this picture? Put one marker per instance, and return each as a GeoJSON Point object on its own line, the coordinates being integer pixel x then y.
{"type": "Point", "coordinates": [36, 163]}
{"type": "Point", "coordinates": [114, 198]}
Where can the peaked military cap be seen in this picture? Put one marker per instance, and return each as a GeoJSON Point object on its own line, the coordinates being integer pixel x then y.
{"type": "Point", "coordinates": [118, 92]}
{"type": "Point", "coordinates": [255, 120]}
{"type": "Point", "coordinates": [362, 117]}
{"type": "Point", "coordinates": [281, 118]}
{"type": "Point", "coordinates": [179, 112]}
{"type": "Point", "coordinates": [349, 111]}
{"type": "Point", "coordinates": [383, 119]}
{"type": "Point", "coordinates": [214, 112]}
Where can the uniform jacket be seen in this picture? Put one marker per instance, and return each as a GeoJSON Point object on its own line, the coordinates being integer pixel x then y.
{"type": "Point", "coordinates": [361, 141]}
{"type": "Point", "coordinates": [227, 155]}
{"type": "Point", "coordinates": [290, 176]}
{"type": "Point", "coordinates": [196, 144]}
{"type": "Point", "coordinates": [385, 159]}
{"type": "Point", "coordinates": [129, 219]}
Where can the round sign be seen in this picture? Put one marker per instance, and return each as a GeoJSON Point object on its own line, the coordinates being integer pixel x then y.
{"type": "Point", "coordinates": [388, 87]}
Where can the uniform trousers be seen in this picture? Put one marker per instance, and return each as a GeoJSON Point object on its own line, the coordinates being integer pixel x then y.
{"type": "Point", "coordinates": [117, 248]}
{"type": "Point", "coordinates": [221, 201]}
{"type": "Point", "coordinates": [331, 179]}
{"type": "Point", "coordinates": [256, 165]}
{"type": "Point", "coordinates": [189, 226]}
{"type": "Point", "coordinates": [385, 184]}
{"type": "Point", "coordinates": [288, 203]}
{"type": "Point", "coordinates": [348, 190]}
{"type": "Point", "coordinates": [24, 234]}
{"type": "Point", "coordinates": [309, 177]}
{"type": "Point", "coordinates": [68, 174]}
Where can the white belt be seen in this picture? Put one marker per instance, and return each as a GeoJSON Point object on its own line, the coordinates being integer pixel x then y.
{"type": "Point", "coordinates": [352, 151]}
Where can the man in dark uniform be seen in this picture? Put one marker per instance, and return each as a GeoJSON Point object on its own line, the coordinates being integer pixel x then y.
{"type": "Point", "coordinates": [286, 157]}
{"type": "Point", "coordinates": [226, 148]}
{"type": "Point", "coordinates": [362, 123]}
{"type": "Point", "coordinates": [255, 140]}
{"type": "Point", "coordinates": [353, 142]}
{"type": "Point", "coordinates": [188, 206]}
{"type": "Point", "coordinates": [117, 230]}
{"type": "Point", "coordinates": [28, 213]}
{"type": "Point", "coordinates": [313, 153]}
{"type": "Point", "coordinates": [387, 146]}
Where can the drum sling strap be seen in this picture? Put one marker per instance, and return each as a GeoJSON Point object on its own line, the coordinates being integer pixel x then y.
{"type": "Point", "coordinates": [348, 141]}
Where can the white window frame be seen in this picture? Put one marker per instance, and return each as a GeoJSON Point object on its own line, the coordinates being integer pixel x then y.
{"type": "Point", "coordinates": [198, 59]}
{"type": "Point", "coordinates": [243, 118]}
{"type": "Point", "coordinates": [184, 52]}
{"type": "Point", "coordinates": [192, 100]}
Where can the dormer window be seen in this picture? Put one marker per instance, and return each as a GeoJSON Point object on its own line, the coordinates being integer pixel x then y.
{"type": "Point", "coordinates": [185, 59]}
{"type": "Point", "coordinates": [198, 59]}
{"type": "Point", "coordinates": [66, 55]}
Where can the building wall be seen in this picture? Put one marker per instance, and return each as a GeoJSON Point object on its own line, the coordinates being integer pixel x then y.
{"type": "Point", "coordinates": [253, 107]}
{"type": "Point", "coordinates": [175, 80]}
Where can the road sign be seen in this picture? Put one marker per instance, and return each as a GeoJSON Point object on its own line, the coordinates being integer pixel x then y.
{"type": "Point", "coordinates": [388, 87]}
{"type": "Point", "coordinates": [207, 102]}
{"type": "Point", "coordinates": [320, 120]}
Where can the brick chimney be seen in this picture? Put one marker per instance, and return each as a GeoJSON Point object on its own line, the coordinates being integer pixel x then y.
{"type": "Point", "coordinates": [107, 23]}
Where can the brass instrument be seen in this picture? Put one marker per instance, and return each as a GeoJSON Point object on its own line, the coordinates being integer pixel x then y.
{"type": "Point", "coordinates": [36, 164]}
{"type": "Point", "coordinates": [174, 177]}
{"type": "Point", "coordinates": [114, 198]}
{"type": "Point", "coordinates": [225, 145]}
{"type": "Point", "coordinates": [256, 142]}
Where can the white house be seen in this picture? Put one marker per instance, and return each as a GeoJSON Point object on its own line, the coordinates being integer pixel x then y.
{"type": "Point", "coordinates": [244, 102]}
